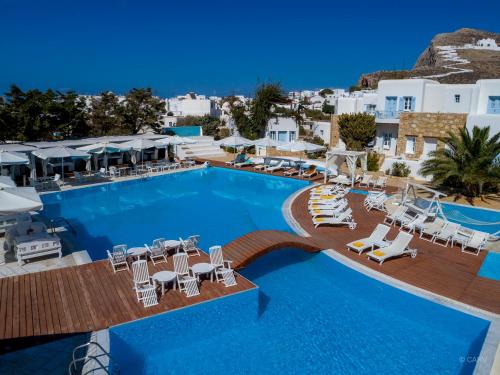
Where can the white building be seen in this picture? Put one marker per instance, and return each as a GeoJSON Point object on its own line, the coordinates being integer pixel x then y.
{"type": "Point", "coordinates": [192, 104]}
{"type": "Point", "coordinates": [321, 129]}
{"type": "Point", "coordinates": [283, 129]}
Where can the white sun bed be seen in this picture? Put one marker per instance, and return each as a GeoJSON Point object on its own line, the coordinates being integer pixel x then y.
{"type": "Point", "coordinates": [344, 218]}
{"type": "Point", "coordinates": [396, 215]}
{"type": "Point", "coordinates": [330, 212]}
{"type": "Point", "coordinates": [416, 223]}
{"type": "Point", "coordinates": [327, 206]}
{"type": "Point", "coordinates": [476, 243]}
{"type": "Point", "coordinates": [276, 167]}
{"type": "Point", "coordinates": [341, 179]}
{"type": "Point", "coordinates": [376, 200]}
{"type": "Point", "coordinates": [365, 180]}
{"type": "Point", "coordinates": [377, 238]}
{"type": "Point", "coordinates": [429, 229]}
{"type": "Point", "coordinates": [397, 248]}
{"type": "Point", "coordinates": [446, 234]}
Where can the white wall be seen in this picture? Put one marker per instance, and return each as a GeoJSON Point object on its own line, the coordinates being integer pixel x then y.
{"type": "Point", "coordinates": [402, 87]}
{"type": "Point", "coordinates": [286, 125]}
{"type": "Point", "coordinates": [191, 107]}
{"type": "Point", "coordinates": [441, 98]}
{"type": "Point", "coordinates": [379, 138]}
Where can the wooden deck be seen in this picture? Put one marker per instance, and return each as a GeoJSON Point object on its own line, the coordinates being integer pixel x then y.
{"type": "Point", "coordinates": [91, 297]}
{"type": "Point", "coordinates": [86, 298]}
{"type": "Point", "coordinates": [442, 270]}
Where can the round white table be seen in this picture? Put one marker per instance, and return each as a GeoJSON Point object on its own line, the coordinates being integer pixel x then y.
{"type": "Point", "coordinates": [172, 244]}
{"type": "Point", "coordinates": [163, 278]}
{"type": "Point", "coordinates": [203, 269]}
{"type": "Point", "coordinates": [137, 252]}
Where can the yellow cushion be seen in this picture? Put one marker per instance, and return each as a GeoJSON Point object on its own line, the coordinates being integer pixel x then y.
{"type": "Point", "coordinates": [379, 253]}
{"type": "Point", "coordinates": [320, 219]}
{"type": "Point", "coordinates": [327, 196]}
{"type": "Point", "coordinates": [357, 244]}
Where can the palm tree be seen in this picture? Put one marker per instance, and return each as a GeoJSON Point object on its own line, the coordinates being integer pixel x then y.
{"type": "Point", "coordinates": [468, 162]}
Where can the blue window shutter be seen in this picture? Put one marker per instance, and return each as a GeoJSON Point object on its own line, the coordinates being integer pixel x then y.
{"type": "Point", "coordinates": [490, 105]}
{"type": "Point", "coordinates": [412, 105]}
{"type": "Point", "coordinates": [401, 103]}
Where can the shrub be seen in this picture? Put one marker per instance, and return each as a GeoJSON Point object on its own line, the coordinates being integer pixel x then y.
{"type": "Point", "coordinates": [372, 162]}
{"type": "Point", "coordinates": [400, 169]}
{"type": "Point", "coordinates": [356, 130]}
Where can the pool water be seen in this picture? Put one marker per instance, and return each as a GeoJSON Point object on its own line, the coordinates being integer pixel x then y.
{"type": "Point", "coordinates": [216, 203]}
{"type": "Point", "coordinates": [312, 315]}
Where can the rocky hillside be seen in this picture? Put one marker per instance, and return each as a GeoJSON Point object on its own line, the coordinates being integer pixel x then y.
{"type": "Point", "coordinates": [449, 58]}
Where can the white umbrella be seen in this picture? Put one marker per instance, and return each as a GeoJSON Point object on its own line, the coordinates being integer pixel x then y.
{"type": "Point", "coordinates": [141, 144]}
{"type": "Point", "coordinates": [104, 148]}
{"type": "Point", "coordinates": [60, 152]}
{"type": "Point", "coordinates": [12, 158]}
{"type": "Point", "coordinates": [267, 142]}
{"type": "Point", "coordinates": [19, 199]}
{"type": "Point", "coordinates": [300, 146]}
{"type": "Point", "coordinates": [176, 140]}
{"type": "Point", "coordinates": [234, 141]}
{"type": "Point", "coordinates": [6, 182]}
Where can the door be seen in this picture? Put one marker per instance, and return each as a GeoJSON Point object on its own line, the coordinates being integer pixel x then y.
{"type": "Point", "coordinates": [430, 144]}
{"type": "Point", "coordinates": [390, 105]}
{"type": "Point", "coordinates": [282, 136]}
{"type": "Point", "coordinates": [410, 145]}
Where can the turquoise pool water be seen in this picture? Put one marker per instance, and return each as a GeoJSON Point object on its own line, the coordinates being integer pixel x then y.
{"type": "Point", "coordinates": [187, 131]}
{"type": "Point", "coordinates": [216, 203]}
{"type": "Point", "coordinates": [311, 315]}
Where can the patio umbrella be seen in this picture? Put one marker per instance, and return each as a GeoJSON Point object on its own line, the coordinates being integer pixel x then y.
{"type": "Point", "coordinates": [6, 182]}
{"type": "Point", "coordinates": [12, 158]}
{"type": "Point", "coordinates": [267, 142]}
{"type": "Point", "coordinates": [176, 140]}
{"type": "Point", "coordinates": [19, 199]}
{"type": "Point", "coordinates": [300, 146]}
{"type": "Point", "coordinates": [234, 141]}
{"type": "Point", "coordinates": [104, 148]}
{"type": "Point", "coordinates": [60, 152]}
{"type": "Point", "coordinates": [142, 144]}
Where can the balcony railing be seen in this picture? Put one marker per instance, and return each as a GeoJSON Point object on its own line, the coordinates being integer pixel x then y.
{"type": "Point", "coordinates": [387, 114]}
{"type": "Point", "coordinates": [493, 111]}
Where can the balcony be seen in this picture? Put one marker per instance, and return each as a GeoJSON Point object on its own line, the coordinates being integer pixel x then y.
{"type": "Point", "coordinates": [387, 115]}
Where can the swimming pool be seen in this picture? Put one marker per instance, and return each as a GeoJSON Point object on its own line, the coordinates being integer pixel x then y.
{"type": "Point", "coordinates": [217, 203]}
{"type": "Point", "coordinates": [310, 315]}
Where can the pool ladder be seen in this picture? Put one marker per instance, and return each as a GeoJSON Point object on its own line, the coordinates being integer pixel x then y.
{"type": "Point", "coordinates": [110, 369]}
{"type": "Point", "coordinates": [61, 222]}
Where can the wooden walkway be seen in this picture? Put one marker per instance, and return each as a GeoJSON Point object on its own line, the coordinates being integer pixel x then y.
{"type": "Point", "coordinates": [442, 270]}
{"type": "Point", "coordinates": [249, 247]}
{"type": "Point", "coordinates": [91, 297]}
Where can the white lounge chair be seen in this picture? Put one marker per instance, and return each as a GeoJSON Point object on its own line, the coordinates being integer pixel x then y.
{"type": "Point", "coordinates": [344, 218]}
{"type": "Point", "coordinates": [416, 223]}
{"type": "Point", "coordinates": [330, 212]}
{"type": "Point", "coordinates": [190, 245]}
{"type": "Point", "coordinates": [398, 247]}
{"type": "Point", "coordinates": [187, 282]}
{"type": "Point", "coordinates": [118, 260]}
{"type": "Point", "coordinates": [365, 180]}
{"type": "Point", "coordinates": [223, 271]}
{"type": "Point", "coordinates": [276, 167]}
{"type": "Point", "coordinates": [429, 229]}
{"type": "Point", "coordinates": [376, 201]}
{"type": "Point", "coordinates": [341, 179]}
{"type": "Point", "coordinates": [143, 285]}
{"type": "Point", "coordinates": [377, 238]}
{"type": "Point", "coordinates": [326, 206]}
{"type": "Point", "coordinates": [157, 252]}
{"type": "Point", "coordinates": [446, 234]}
{"type": "Point", "coordinates": [396, 215]}
{"type": "Point", "coordinates": [380, 183]}
{"type": "Point", "coordinates": [476, 242]}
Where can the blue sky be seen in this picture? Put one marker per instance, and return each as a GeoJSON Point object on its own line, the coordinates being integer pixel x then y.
{"type": "Point", "coordinates": [219, 47]}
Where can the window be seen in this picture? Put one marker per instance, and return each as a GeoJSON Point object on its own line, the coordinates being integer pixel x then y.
{"type": "Point", "coordinates": [493, 105]}
{"type": "Point", "coordinates": [410, 145]}
{"type": "Point", "coordinates": [282, 136]}
{"type": "Point", "coordinates": [321, 132]}
{"type": "Point", "coordinates": [272, 135]}
{"type": "Point", "coordinates": [370, 108]}
{"type": "Point", "coordinates": [457, 98]}
{"type": "Point", "coordinates": [407, 106]}
{"type": "Point", "coordinates": [292, 136]}
{"type": "Point", "coordinates": [387, 141]}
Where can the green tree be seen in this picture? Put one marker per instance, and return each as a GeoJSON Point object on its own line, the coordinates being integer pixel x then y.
{"type": "Point", "coordinates": [260, 111]}
{"type": "Point", "coordinates": [468, 163]}
{"type": "Point", "coordinates": [142, 111]}
{"type": "Point", "coordinates": [325, 92]}
{"type": "Point", "coordinates": [71, 115]}
{"type": "Point", "coordinates": [327, 108]}
{"type": "Point", "coordinates": [105, 115]}
{"type": "Point", "coordinates": [356, 130]}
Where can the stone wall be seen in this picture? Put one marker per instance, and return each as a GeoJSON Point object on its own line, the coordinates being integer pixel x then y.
{"type": "Point", "coordinates": [427, 125]}
{"type": "Point", "coordinates": [334, 131]}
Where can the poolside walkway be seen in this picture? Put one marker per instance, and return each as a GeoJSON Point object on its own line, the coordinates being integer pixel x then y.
{"type": "Point", "coordinates": [442, 270]}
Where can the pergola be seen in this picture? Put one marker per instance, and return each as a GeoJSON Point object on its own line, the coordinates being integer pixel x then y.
{"type": "Point", "coordinates": [337, 157]}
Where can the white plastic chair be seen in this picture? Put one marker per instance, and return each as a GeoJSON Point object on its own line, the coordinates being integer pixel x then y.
{"type": "Point", "coordinates": [223, 271]}
{"type": "Point", "coordinates": [156, 253]}
{"type": "Point", "coordinates": [118, 260]}
{"type": "Point", "coordinates": [190, 245]}
{"type": "Point", "coordinates": [185, 279]}
{"type": "Point", "coordinates": [143, 285]}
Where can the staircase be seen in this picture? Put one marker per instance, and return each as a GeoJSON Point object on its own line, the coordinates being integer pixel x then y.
{"type": "Point", "coordinates": [202, 148]}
